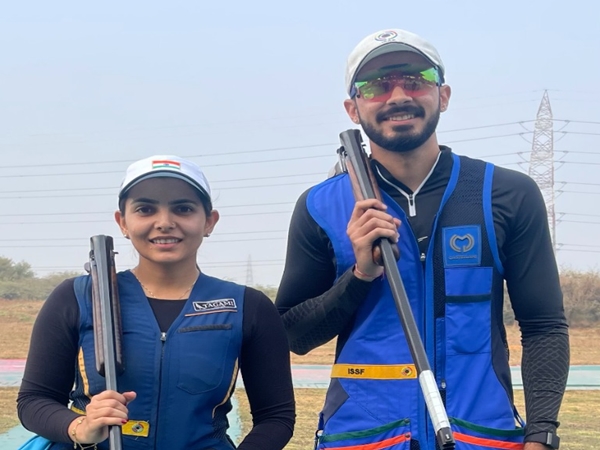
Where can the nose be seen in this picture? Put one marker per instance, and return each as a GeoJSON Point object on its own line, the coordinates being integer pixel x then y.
{"type": "Point", "coordinates": [399, 95]}
{"type": "Point", "coordinates": [164, 221]}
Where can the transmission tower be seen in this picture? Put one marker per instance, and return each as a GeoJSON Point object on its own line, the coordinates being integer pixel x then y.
{"type": "Point", "coordinates": [541, 167]}
{"type": "Point", "coordinates": [249, 277]}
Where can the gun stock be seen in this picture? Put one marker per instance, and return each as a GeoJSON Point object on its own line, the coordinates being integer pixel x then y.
{"type": "Point", "coordinates": [364, 186]}
{"type": "Point", "coordinates": [107, 319]}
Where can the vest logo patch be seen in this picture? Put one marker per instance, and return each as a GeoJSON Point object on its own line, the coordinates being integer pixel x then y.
{"type": "Point", "coordinates": [462, 246]}
{"type": "Point", "coordinates": [219, 305]}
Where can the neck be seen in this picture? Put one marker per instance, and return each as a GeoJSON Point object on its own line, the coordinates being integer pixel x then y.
{"type": "Point", "coordinates": [164, 281]}
{"type": "Point", "coordinates": [410, 168]}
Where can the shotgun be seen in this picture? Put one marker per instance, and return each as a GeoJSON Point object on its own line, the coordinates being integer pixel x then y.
{"type": "Point", "coordinates": [107, 319]}
{"type": "Point", "coordinates": [354, 160]}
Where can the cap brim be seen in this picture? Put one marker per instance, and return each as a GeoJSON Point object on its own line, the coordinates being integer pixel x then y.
{"type": "Point", "coordinates": [166, 174]}
{"type": "Point", "coordinates": [390, 47]}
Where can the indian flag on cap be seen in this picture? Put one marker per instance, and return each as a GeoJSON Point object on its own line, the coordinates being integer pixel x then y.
{"type": "Point", "coordinates": [165, 164]}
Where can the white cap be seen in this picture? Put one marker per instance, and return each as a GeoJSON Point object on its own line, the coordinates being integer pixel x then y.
{"type": "Point", "coordinates": [169, 166]}
{"type": "Point", "coordinates": [386, 41]}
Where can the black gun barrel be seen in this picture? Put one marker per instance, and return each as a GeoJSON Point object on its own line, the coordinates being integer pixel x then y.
{"type": "Point", "coordinates": [107, 323]}
{"type": "Point", "coordinates": [352, 149]}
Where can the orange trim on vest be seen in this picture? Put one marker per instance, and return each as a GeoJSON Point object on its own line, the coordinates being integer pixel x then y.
{"type": "Point", "coordinates": [377, 445]}
{"type": "Point", "coordinates": [491, 443]}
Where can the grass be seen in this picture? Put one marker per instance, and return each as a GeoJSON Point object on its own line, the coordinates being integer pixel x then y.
{"type": "Point", "coordinates": [579, 429]}
{"type": "Point", "coordinates": [16, 321]}
{"type": "Point", "coordinates": [582, 353]}
{"type": "Point", "coordinates": [8, 408]}
{"type": "Point", "coordinates": [17, 317]}
{"type": "Point", "coordinates": [578, 417]}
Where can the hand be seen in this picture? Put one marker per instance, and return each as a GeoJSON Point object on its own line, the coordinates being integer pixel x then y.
{"type": "Point", "coordinates": [370, 222]}
{"type": "Point", "coordinates": [105, 409]}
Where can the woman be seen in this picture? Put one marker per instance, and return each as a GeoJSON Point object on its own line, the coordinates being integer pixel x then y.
{"type": "Point", "coordinates": [184, 336]}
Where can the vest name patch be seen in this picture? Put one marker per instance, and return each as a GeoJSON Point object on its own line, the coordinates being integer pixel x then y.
{"type": "Point", "coordinates": [221, 304]}
{"type": "Point", "coordinates": [462, 246]}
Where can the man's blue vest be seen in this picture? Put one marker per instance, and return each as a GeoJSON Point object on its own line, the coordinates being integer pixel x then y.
{"type": "Point", "coordinates": [455, 291]}
{"type": "Point", "coordinates": [183, 378]}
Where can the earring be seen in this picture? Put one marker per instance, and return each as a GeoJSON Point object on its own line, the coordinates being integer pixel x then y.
{"type": "Point", "coordinates": [125, 235]}
{"type": "Point", "coordinates": [207, 235]}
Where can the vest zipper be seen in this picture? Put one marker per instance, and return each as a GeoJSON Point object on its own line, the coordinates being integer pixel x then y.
{"type": "Point", "coordinates": [412, 210]}
{"type": "Point", "coordinates": [163, 340]}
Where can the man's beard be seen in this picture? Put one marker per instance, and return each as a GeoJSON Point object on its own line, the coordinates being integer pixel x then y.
{"type": "Point", "coordinates": [403, 142]}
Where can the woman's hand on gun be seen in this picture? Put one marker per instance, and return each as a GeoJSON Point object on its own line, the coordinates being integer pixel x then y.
{"type": "Point", "coordinates": [105, 409]}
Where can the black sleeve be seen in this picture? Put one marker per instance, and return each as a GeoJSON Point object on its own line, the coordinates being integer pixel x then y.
{"type": "Point", "coordinates": [265, 368]}
{"type": "Point", "coordinates": [534, 289]}
{"type": "Point", "coordinates": [50, 367]}
{"type": "Point", "coordinates": [314, 309]}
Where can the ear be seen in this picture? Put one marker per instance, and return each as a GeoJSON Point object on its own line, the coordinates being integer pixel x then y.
{"type": "Point", "coordinates": [352, 110]}
{"type": "Point", "coordinates": [211, 221]}
{"type": "Point", "coordinates": [120, 219]}
{"type": "Point", "coordinates": [445, 93]}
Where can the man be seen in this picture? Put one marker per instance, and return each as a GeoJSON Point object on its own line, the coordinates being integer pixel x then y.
{"type": "Point", "coordinates": [466, 227]}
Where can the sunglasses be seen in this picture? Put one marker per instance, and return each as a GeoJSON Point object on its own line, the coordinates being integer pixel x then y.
{"type": "Point", "coordinates": [413, 83]}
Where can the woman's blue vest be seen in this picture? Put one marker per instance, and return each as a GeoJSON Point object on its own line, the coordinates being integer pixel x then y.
{"type": "Point", "coordinates": [374, 400]}
{"type": "Point", "coordinates": [183, 378]}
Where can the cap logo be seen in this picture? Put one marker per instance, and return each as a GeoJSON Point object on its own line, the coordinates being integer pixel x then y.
{"type": "Point", "coordinates": [165, 164]}
{"type": "Point", "coordinates": [386, 36]}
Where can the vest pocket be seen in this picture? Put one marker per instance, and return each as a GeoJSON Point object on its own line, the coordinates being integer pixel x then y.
{"type": "Point", "coordinates": [392, 436]}
{"type": "Point", "coordinates": [201, 356]}
{"type": "Point", "coordinates": [468, 309]}
{"type": "Point", "coordinates": [470, 436]}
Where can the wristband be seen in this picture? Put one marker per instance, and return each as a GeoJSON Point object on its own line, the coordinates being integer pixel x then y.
{"type": "Point", "coordinates": [369, 278]}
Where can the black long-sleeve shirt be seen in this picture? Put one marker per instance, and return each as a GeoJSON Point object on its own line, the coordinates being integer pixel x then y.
{"type": "Point", "coordinates": [264, 364]}
{"type": "Point", "coordinates": [317, 311]}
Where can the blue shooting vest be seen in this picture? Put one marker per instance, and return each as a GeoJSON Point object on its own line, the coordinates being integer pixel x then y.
{"type": "Point", "coordinates": [456, 296]}
{"type": "Point", "coordinates": [183, 378]}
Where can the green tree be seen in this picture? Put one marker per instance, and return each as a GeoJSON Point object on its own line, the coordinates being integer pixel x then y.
{"type": "Point", "coordinates": [11, 271]}
{"type": "Point", "coordinates": [270, 291]}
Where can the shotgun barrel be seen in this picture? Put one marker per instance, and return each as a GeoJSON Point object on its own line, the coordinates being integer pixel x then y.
{"type": "Point", "coordinates": [107, 319]}
{"type": "Point", "coordinates": [364, 186]}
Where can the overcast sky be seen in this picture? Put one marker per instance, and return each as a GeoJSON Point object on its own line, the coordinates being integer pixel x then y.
{"type": "Point", "coordinates": [253, 92]}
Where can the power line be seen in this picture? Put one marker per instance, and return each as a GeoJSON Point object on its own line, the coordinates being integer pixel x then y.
{"type": "Point", "coordinates": [86, 245]}
{"type": "Point", "coordinates": [580, 245]}
{"type": "Point", "coordinates": [123, 161]}
{"type": "Point", "coordinates": [113, 188]}
{"type": "Point", "coordinates": [579, 132]}
{"type": "Point", "coordinates": [105, 172]}
{"type": "Point", "coordinates": [263, 150]}
{"type": "Point", "coordinates": [245, 187]}
{"type": "Point", "coordinates": [577, 192]}
{"type": "Point", "coordinates": [119, 238]}
{"type": "Point", "coordinates": [486, 126]}
{"type": "Point", "coordinates": [490, 137]}
{"type": "Point", "coordinates": [112, 221]}
{"type": "Point", "coordinates": [69, 213]}
{"type": "Point", "coordinates": [580, 221]}
{"type": "Point", "coordinates": [577, 121]}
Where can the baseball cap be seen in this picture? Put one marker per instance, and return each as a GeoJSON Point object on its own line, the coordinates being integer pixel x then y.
{"type": "Point", "coordinates": [386, 41]}
{"type": "Point", "coordinates": [169, 166]}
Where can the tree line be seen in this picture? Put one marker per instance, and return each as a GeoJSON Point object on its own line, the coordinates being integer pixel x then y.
{"type": "Point", "coordinates": [581, 290]}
